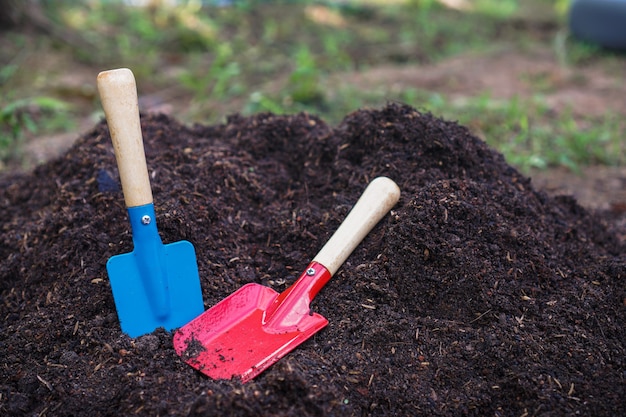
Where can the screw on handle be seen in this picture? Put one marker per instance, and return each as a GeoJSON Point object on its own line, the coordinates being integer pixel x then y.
{"type": "Point", "coordinates": [118, 93]}
{"type": "Point", "coordinates": [377, 199]}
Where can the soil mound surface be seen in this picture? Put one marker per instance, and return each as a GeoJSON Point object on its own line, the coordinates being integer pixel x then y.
{"type": "Point", "coordinates": [477, 295]}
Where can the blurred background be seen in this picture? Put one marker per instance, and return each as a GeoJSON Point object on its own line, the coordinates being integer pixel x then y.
{"type": "Point", "coordinates": [510, 70]}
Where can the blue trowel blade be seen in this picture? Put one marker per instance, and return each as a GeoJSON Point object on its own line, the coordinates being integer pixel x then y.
{"type": "Point", "coordinates": [135, 309]}
{"type": "Point", "coordinates": [155, 285]}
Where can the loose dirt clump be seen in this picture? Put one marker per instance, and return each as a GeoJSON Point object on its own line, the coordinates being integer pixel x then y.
{"type": "Point", "coordinates": [477, 295]}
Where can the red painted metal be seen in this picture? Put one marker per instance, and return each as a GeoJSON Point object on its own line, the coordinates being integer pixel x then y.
{"type": "Point", "coordinates": [254, 327]}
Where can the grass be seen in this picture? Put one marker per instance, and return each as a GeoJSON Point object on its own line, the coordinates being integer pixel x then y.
{"type": "Point", "coordinates": [282, 57]}
{"type": "Point", "coordinates": [531, 136]}
{"type": "Point", "coordinates": [21, 117]}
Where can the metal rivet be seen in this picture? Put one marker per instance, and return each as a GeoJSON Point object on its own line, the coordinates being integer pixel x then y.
{"type": "Point", "coordinates": [310, 271]}
{"type": "Point", "coordinates": [146, 219]}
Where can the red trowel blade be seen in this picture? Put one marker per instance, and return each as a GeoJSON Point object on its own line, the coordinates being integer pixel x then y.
{"type": "Point", "coordinates": [238, 338]}
{"type": "Point", "coordinates": [248, 331]}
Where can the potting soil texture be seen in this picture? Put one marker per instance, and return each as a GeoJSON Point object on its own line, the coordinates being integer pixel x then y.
{"type": "Point", "coordinates": [477, 295]}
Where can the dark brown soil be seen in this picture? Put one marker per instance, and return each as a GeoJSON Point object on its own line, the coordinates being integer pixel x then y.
{"type": "Point", "coordinates": [477, 295]}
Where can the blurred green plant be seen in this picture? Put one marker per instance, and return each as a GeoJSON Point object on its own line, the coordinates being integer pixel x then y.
{"type": "Point", "coordinates": [215, 80]}
{"type": "Point", "coordinates": [260, 103]}
{"type": "Point", "coordinates": [7, 71]}
{"type": "Point", "coordinates": [529, 134]}
{"type": "Point", "coordinates": [304, 83]}
{"type": "Point", "coordinates": [21, 117]}
{"type": "Point", "coordinates": [496, 8]}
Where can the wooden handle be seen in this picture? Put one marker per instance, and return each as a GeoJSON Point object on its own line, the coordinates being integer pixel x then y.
{"type": "Point", "coordinates": [118, 93]}
{"type": "Point", "coordinates": [377, 199]}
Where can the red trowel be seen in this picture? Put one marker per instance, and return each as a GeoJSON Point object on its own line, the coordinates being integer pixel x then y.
{"type": "Point", "coordinates": [155, 285]}
{"type": "Point", "coordinates": [254, 327]}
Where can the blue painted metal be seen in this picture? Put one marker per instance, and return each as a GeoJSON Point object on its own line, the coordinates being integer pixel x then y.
{"type": "Point", "coordinates": [155, 285]}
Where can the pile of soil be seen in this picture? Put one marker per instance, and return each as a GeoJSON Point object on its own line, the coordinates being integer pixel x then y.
{"type": "Point", "coordinates": [476, 295]}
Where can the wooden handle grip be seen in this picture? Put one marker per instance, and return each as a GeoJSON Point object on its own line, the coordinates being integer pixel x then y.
{"type": "Point", "coordinates": [118, 93]}
{"type": "Point", "coordinates": [377, 199]}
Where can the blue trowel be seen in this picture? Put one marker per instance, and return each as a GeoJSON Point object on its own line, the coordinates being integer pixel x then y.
{"type": "Point", "coordinates": [155, 285]}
